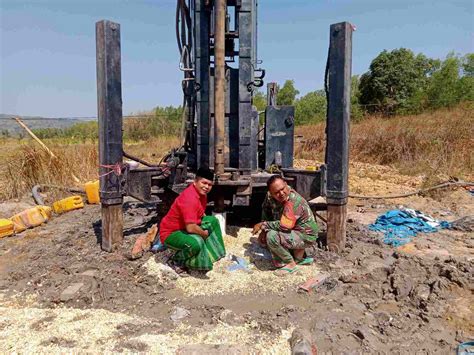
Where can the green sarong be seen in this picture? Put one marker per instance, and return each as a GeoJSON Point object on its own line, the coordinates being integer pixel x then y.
{"type": "Point", "coordinates": [193, 251]}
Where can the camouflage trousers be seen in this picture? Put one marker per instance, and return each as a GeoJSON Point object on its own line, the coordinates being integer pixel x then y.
{"type": "Point", "coordinates": [280, 244]}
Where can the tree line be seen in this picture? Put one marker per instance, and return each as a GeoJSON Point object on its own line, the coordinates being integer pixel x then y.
{"type": "Point", "coordinates": [160, 121]}
{"type": "Point", "coordinates": [397, 82]}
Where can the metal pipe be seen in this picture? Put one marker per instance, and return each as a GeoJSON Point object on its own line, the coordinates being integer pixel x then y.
{"type": "Point", "coordinates": [219, 85]}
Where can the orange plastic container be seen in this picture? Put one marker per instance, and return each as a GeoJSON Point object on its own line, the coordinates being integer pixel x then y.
{"type": "Point", "coordinates": [68, 204]}
{"type": "Point", "coordinates": [92, 191]}
{"type": "Point", "coordinates": [6, 227]}
{"type": "Point", "coordinates": [31, 217]}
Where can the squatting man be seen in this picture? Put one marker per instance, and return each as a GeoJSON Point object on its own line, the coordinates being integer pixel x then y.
{"type": "Point", "coordinates": [288, 226]}
{"type": "Point", "coordinates": [196, 238]}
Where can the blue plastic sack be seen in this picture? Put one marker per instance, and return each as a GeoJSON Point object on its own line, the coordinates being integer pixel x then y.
{"type": "Point", "coordinates": [400, 226]}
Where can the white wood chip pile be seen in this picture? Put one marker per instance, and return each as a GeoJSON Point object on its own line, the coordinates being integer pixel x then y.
{"type": "Point", "coordinates": [94, 331]}
{"type": "Point", "coordinates": [222, 281]}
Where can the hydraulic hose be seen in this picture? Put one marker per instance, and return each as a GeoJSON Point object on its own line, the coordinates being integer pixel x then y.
{"type": "Point", "coordinates": [35, 192]}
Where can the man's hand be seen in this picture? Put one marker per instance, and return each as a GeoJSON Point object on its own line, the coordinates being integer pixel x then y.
{"type": "Point", "coordinates": [257, 228]}
{"type": "Point", "coordinates": [206, 225]}
{"type": "Point", "coordinates": [206, 232]}
{"type": "Point", "coordinates": [193, 228]}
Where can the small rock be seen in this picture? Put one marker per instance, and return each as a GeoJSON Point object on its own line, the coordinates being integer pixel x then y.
{"type": "Point", "coordinates": [300, 343]}
{"type": "Point", "coordinates": [179, 313]}
{"type": "Point", "coordinates": [422, 292]}
{"type": "Point", "coordinates": [460, 336]}
{"type": "Point", "coordinates": [91, 273]}
{"type": "Point", "coordinates": [368, 337]}
{"type": "Point", "coordinates": [227, 316]}
{"type": "Point", "coordinates": [383, 318]}
{"type": "Point", "coordinates": [360, 333]}
{"type": "Point", "coordinates": [70, 292]}
{"type": "Point", "coordinates": [445, 213]}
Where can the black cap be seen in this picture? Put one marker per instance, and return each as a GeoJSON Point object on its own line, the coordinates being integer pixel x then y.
{"type": "Point", "coordinates": [205, 173]}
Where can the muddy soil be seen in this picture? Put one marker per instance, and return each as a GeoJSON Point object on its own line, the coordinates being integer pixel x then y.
{"type": "Point", "coordinates": [417, 298]}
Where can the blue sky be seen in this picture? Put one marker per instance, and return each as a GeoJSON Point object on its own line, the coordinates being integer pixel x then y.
{"type": "Point", "coordinates": [47, 59]}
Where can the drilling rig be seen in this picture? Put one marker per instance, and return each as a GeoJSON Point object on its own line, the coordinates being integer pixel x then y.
{"type": "Point", "coordinates": [221, 128]}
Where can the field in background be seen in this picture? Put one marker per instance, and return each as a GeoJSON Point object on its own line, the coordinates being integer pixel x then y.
{"type": "Point", "coordinates": [431, 144]}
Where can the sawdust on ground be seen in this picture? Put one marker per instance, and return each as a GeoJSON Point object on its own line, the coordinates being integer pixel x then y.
{"type": "Point", "coordinates": [259, 276]}
{"type": "Point", "coordinates": [62, 330]}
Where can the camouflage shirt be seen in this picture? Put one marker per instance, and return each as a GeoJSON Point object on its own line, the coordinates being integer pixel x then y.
{"type": "Point", "coordinates": [295, 214]}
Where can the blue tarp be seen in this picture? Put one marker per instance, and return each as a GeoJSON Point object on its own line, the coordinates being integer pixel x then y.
{"type": "Point", "coordinates": [400, 226]}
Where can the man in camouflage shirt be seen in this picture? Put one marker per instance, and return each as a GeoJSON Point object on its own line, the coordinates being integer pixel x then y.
{"type": "Point", "coordinates": [288, 226]}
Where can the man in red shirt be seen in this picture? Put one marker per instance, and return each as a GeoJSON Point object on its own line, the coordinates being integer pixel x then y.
{"type": "Point", "coordinates": [196, 238]}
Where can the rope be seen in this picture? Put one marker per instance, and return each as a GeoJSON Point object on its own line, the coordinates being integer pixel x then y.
{"type": "Point", "coordinates": [116, 169]}
{"type": "Point", "coordinates": [440, 186]}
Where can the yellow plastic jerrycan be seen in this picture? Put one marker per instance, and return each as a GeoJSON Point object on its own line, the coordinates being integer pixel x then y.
{"type": "Point", "coordinates": [6, 227]}
{"type": "Point", "coordinates": [68, 204]}
{"type": "Point", "coordinates": [31, 217]}
{"type": "Point", "coordinates": [92, 191]}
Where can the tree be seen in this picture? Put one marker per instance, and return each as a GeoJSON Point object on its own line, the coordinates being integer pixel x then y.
{"type": "Point", "coordinates": [467, 63]}
{"type": "Point", "coordinates": [357, 112]}
{"type": "Point", "coordinates": [466, 83]}
{"type": "Point", "coordinates": [5, 133]}
{"type": "Point", "coordinates": [393, 79]}
{"type": "Point", "coordinates": [259, 100]}
{"type": "Point", "coordinates": [311, 108]}
{"type": "Point", "coordinates": [443, 90]}
{"type": "Point", "coordinates": [287, 94]}
{"type": "Point", "coordinates": [447, 86]}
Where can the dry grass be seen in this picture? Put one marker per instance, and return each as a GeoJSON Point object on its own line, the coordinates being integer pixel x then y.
{"type": "Point", "coordinates": [430, 144]}
{"type": "Point", "coordinates": [152, 149]}
{"type": "Point", "coordinates": [31, 165]}
{"type": "Point", "coordinates": [26, 164]}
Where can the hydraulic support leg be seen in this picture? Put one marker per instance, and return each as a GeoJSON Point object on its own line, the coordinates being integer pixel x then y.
{"type": "Point", "coordinates": [337, 152]}
{"type": "Point", "coordinates": [109, 102]}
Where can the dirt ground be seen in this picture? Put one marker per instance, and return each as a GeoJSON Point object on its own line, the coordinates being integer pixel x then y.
{"type": "Point", "coordinates": [60, 293]}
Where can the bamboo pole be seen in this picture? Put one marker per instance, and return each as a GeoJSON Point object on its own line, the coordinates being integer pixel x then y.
{"type": "Point", "coordinates": [20, 122]}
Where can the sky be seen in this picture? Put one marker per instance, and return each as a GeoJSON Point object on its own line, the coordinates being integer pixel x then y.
{"type": "Point", "coordinates": [47, 47]}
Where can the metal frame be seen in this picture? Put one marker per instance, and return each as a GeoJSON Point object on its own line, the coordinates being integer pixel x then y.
{"type": "Point", "coordinates": [241, 177]}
